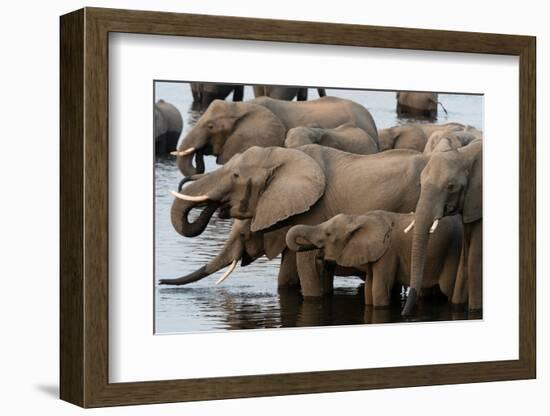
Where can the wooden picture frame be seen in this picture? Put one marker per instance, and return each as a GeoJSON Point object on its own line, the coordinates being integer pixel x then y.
{"type": "Point", "coordinates": [84, 207]}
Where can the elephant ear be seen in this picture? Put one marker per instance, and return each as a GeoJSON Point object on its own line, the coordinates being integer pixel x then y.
{"type": "Point", "coordinates": [274, 242]}
{"type": "Point", "coordinates": [256, 126]}
{"type": "Point", "coordinates": [368, 240]}
{"type": "Point", "coordinates": [296, 182]}
{"type": "Point", "coordinates": [472, 210]}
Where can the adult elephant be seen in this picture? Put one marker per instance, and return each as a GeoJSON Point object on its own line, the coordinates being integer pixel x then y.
{"type": "Point", "coordinates": [278, 187]}
{"type": "Point", "coordinates": [285, 93]}
{"type": "Point", "coordinates": [204, 93]}
{"type": "Point", "coordinates": [346, 137]}
{"type": "Point", "coordinates": [167, 127]}
{"type": "Point", "coordinates": [246, 246]}
{"type": "Point", "coordinates": [417, 104]}
{"type": "Point", "coordinates": [451, 183]}
{"type": "Point", "coordinates": [226, 129]}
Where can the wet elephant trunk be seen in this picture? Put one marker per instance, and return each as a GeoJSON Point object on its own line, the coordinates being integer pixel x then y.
{"type": "Point", "coordinates": [304, 232]}
{"type": "Point", "coordinates": [232, 251]}
{"type": "Point", "coordinates": [425, 215]}
{"type": "Point", "coordinates": [184, 280]}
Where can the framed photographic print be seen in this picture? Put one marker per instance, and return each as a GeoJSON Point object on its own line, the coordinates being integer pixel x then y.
{"type": "Point", "coordinates": [256, 207]}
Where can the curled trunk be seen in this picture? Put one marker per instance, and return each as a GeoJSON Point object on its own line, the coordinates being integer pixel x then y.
{"type": "Point", "coordinates": [180, 217]}
{"type": "Point", "coordinates": [303, 232]}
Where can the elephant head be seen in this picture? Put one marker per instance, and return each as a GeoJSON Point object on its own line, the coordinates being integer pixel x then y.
{"type": "Point", "coordinates": [264, 184]}
{"type": "Point", "coordinates": [347, 240]}
{"type": "Point", "coordinates": [242, 244]}
{"type": "Point", "coordinates": [225, 129]}
{"type": "Point", "coordinates": [450, 183]}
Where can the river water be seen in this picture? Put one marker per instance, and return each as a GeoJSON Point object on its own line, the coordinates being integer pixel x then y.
{"type": "Point", "coordinates": [249, 298]}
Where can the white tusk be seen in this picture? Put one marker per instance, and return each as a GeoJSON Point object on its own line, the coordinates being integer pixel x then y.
{"type": "Point", "coordinates": [199, 198]}
{"type": "Point", "coordinates": [227, 272]}
{"type": "Point", "coordinates": [183, 152]}
{"type": "Point", "coordinates": [434, 225]}
{"type": "Point", "coordinates": [410, 227]}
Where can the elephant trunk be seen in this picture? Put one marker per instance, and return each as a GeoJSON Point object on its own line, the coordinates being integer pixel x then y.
{"type": "Point", "coordinates": [206, 193]}
{"type": "Point", "coordinates": [425, 218]}
{"type": "Point", "coordinates": [191, 277]}
{"type": "Point", "coordinates": [190, 148]}
{"type": "Point", "coordinates": [303, 232]}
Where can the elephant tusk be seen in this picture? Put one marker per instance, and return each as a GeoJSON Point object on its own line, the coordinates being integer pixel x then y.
{"type": "Point", "coordinates": [199, 198]}
{"type": "Point", "coordinates": [227, 272]}
{"type": "Point", "coordinates": [434, 225]}
{"type": "Point", "coordinates": [183, 152]}
{"type": "Point", "coordinates": [410, 227]}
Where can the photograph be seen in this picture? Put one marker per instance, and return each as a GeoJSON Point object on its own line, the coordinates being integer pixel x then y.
{"type": "Point", "coordinates": [284, 206]}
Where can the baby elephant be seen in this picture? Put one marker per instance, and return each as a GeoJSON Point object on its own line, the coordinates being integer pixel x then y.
{"type": "Point", "coordinates": [379, 244]}
{"type": "Point", "coordinates": [346, 137]}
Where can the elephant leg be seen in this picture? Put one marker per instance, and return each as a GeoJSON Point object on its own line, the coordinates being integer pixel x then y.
{"type": "Point", "coordinates": [368, 289]}
{"type": "Point", "coordinates": [302, 94]}
{"type": "Point", "coordinates": [288, 272]}
{"type": "Point", "coordinates": [475, 284]}
{"type": "Point", "coordinates": [460, 291]}
{"type": "Point", "coordinates": [449, 272]}
{"type": "Point", "coordinates": [238, 93]}
{"type": "Point", "coordinates": [383, 279]}
{"type": "Point", "coordinates": [310, 282]}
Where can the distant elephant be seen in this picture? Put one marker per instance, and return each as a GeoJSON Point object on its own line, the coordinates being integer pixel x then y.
{"type": "Point", "coordinates": [443, 141]}
{"type": "Point", "coordinates": [408, 136]}
{"type": "Point", "coordinates": [417, 104]}
{"type": "Point", "coordinates": [451, 183]}
{"type": "Point", "coordinates": [346, 137]}
{"type": "Point", "coordinates": [277, 187]}
{"type": "Point", "coordinates": [284, 93]}
{"type": "Point", "coordinates": [226, 129]}
{"type": "Point", "coordinates": [204, 93]}
{"type": "Point", "coordinates": [168, 125]}
{"type": "Point", "coordinates": [377, 244]}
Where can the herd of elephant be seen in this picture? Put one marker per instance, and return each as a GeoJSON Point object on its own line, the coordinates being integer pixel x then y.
{"type": "Point", "coordinates": [317, 183]}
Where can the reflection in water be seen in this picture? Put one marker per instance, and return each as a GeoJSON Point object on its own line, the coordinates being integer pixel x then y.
{"type": "Point", "coordinates": [249, 298]}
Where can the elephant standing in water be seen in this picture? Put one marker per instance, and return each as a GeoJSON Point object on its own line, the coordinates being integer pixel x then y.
{"type": "Point", "coordinates": [277, 187]}
{"type": "Point", "coordinates": [417, 104]}
{"type": "Point", "coordinates": [204, 94]}
{"type": "Point", "coordinates": [226, 129]}
{"type": "Point", "coordinates": [245, 246]}
{"type": "Point", "coordinates": [377, 244]}
{"type": "Point", "coordinates": [346, 137]}
{"type": "Point", "coordinates": [167, 127]}
{"type": "Point", "coordinates": [284, 93]}
{"type": "Point", "coordinates": [451, 183]}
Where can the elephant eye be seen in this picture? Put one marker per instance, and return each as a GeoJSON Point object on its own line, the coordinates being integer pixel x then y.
{"type": "Point", "coordinates": [210, 125]}
{"type": "Point", "coordinates": [452, 187]}
{"type": "Point", "coordinates": [235, 175]}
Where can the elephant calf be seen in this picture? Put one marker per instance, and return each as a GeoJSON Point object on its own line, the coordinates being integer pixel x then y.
{"type": "Point", "coordinates": [379, 244]}
{"type": "Point", "coordinates": [345, 137]}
